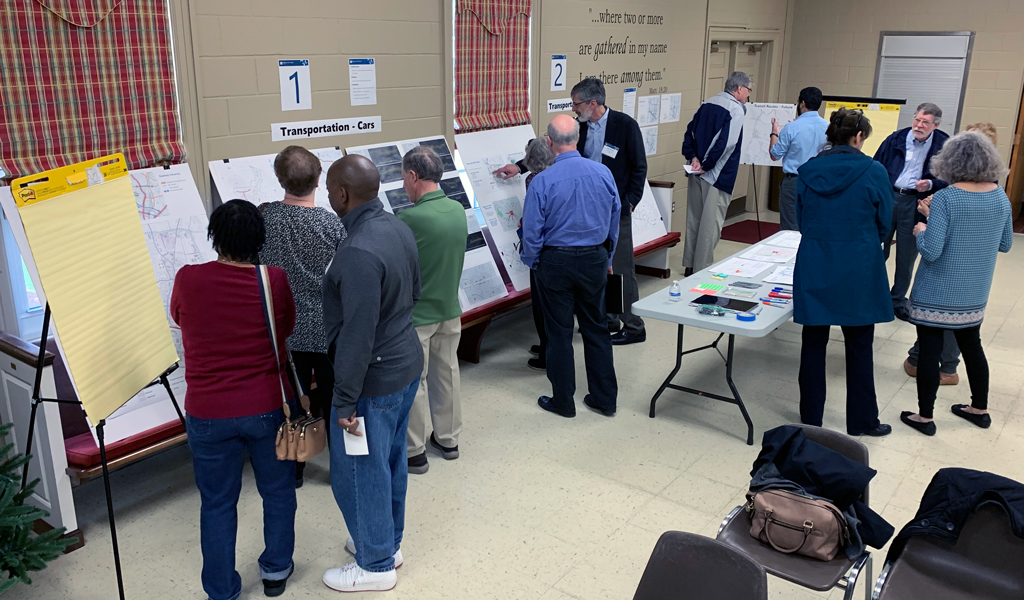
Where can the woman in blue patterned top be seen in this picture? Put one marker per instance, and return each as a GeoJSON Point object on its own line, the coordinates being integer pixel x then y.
{"type": "Point", "coordinates": [968, 224]}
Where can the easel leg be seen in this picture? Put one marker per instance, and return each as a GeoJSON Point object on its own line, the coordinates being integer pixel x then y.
{"type": "Point", "coordinates": [36, 393]}
{"type": "Point", "coordinates": [679, 363]}
{"type": "Point", "coordinates": [110, 508]}
{"type": "Point", "coordinates": [167, 386]}
{"type": "Point", "coordinates": [757, 204]}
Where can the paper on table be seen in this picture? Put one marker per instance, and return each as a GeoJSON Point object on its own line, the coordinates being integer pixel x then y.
{"type": "Point", "coordinates": [782, 274]}
{"type": "Point", "coordinates": [788, 239]}
{"type": "Point", "coordinates": [740, 267]}
{"type": "Point", "coordinates": [769, 254]}
{"type": "Point", "coordinates": [356, 445]}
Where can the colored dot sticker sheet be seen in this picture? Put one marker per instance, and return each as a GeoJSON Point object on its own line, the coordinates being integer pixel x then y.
{"type": "Point", "coordinates": [709, 288]}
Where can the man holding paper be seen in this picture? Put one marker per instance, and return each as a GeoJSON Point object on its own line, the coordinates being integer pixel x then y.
{"type": "Point", "coordinates": [370, 288]}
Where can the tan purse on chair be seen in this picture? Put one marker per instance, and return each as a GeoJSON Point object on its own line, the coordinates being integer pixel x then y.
{"type": "Point", "coordinates": [794, 524]}
{"type": "Point", "coordinates": [306, 436]}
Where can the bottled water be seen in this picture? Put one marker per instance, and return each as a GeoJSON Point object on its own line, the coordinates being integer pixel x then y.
{"type": "Point", "coordinates": [675, 293]}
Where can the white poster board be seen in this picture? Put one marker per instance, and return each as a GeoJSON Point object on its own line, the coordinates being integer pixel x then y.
{"type": "Point", "coordinates": [757, 129]}
{"type": "Point", "coordinates": [252, 178]}
{"type": "Point", "coordinates": [481, 281]}
{"type": "Point", "coordinates": [500, 200]}
{"type": "Point", "coordinates": [647, 221]}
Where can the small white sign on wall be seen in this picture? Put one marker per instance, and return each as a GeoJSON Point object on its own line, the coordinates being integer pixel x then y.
{"type": "Point", "coordinates": [362, 81]}
{"type": "Point", "coordinates": [560, 105]}
{"type": "Point", "coordinates": [558, 74]}
{"type": "Point", "coordinates": [295, 89]}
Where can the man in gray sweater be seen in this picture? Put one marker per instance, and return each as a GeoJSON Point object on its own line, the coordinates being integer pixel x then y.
{"type": "Point", "coordinates": [369, 290]}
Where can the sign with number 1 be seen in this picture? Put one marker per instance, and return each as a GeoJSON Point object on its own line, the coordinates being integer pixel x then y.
{"type": "Point", "coordinates": [295, 89]}
{"type": "Point", "coordinates": [558, 72]}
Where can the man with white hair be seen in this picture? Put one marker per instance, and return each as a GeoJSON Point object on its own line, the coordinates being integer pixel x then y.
{"type": "Point", "coordinates": [711, 145]}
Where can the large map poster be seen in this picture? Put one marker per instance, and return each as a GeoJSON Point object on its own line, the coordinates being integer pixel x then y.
{"type": "Point", "coordinates": [757, 130]}
{"type": "Point", "coordinates": [252, 178]}
{"type": "Point", "coordinates": [481, 281]}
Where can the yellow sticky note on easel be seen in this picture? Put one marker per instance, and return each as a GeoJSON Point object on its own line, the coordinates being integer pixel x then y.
{"type": "Point", "coordinates": [95, 270]}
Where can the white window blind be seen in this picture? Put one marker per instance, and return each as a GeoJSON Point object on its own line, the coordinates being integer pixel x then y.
{"type": "Point", "coordinates": [925, 68]}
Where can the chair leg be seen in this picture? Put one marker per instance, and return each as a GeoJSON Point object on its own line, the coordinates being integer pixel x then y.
{"type": "Point", "coordinates": [869, 581]}
{"type": "Point", "coordinates": [854, 575]}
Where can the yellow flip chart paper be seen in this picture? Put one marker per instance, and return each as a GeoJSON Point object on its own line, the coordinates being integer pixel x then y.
{"type": "Point", "coordinates": [884, 119]}
{"type": "Point", "coordinates": [94, 267]}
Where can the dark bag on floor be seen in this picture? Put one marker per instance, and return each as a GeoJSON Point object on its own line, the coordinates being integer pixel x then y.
{"type": "Point", "coordinates": [794, 524]}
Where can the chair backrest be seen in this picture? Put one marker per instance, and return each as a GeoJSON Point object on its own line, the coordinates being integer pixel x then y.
{"type": "Point", "coordinates": [687, 566]}
{"type": "Point", "coordinates": [987, 561]}
{"type": "Point", "coordinates": [841, 443]}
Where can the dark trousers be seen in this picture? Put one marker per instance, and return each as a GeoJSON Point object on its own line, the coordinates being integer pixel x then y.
{"type": "Point", "coordinates": [861, 404]}
{"type": "Point", "coordinates": [623, 263]}
{"type": "Point", "coordinates": [904, 212]}
{"type": "Point", "coordinates": [950, 356]}
{"type": "Point", "coordinates": [931, 342]}
{"type": "Point", "coordinates": [572, 281]}
{"type": "Point", "coordinates": [538, 318]}
{"type": "Point", "coordinates": [308, 364]}
{"type": "Point", "coordinates": [787, 203]}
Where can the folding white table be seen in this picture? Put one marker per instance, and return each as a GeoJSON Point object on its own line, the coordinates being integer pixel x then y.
{"type": "Point", "coordinates": [659, 306]}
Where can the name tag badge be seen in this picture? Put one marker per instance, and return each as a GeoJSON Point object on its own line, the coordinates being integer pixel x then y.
{"type": "Point", "coordinates": [910, 155]}
{"type": "Point", "coordinates": [610, 151]}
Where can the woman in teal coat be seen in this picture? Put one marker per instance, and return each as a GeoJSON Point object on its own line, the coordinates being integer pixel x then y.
{"type": "Point", "coordinates": [844, 210]}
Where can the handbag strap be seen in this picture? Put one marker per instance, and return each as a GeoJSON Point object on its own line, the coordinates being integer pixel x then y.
{"type": "Point", "coordinates": [267, 300]}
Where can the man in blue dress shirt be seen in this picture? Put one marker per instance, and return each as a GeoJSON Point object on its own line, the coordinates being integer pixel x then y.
{"type": "Point", "coordinates": [796, 143]}
{"type": "Point", "coordinates": [570, 228]}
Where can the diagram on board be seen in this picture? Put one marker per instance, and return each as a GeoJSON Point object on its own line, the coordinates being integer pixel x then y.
{"type": "Point", "coordinates": [149, 194]}
{"type": "Point", "coordinates": [757, 129]}
{"type": "Point", "coordinates": [508, 211]}
{"type": "Point", "coordinates": [481, 283]}
{"type": "Point", "coordinates": [510, 255]}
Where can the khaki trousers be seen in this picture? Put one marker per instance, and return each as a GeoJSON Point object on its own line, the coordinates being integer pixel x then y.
{"type": "Point", "coordinates": [706, 206]}
{"type": "Point", "coordinates": [438, 402]}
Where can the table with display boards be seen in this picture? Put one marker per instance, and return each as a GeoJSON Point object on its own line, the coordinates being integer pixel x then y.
{"type": "Point", "coordinates": [768, 318]}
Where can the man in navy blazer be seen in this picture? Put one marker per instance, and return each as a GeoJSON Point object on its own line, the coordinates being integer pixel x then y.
{"type": "Point", "coordinates": [613, 139]}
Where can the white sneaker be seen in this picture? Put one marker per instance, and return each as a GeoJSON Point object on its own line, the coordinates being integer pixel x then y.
{"type": "Point", "coordinates": [350, 546]}
{"type": "Point", "coordinates": [351, 578]}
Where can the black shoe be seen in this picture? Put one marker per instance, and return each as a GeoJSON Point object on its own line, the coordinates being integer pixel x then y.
{"type": "Point", "coordinates": [984, 421]}
{"type": "Point", "coordinates": [276, 587]}
{"type": "Point", "coordinates": [608, 412]}
{"type": "Point", "coordinates": [614, 327]}
{"type": "Point", "coordinates": [446, 452]}
{"type": "Point", "coordinates": [300, 467]}
{"type": "Point", "coordinates": [688, 271]}
{"type": "Point", "coordinates": [879, 431]}
{"type": "Point", "coordinates": [925, 428]}
{"type": "Point", "coordinates": [902, 313]}
{"type": "Point", "coordinates": [549, 405]}
{"type": "Point", "coordinates": [624, 338]}
{"type": "Point", "coordinates": [418, 464]}
{"type": "Point", "coordinates": [535, 350]}
{"type": "Point", "coordinates": [537, 364]}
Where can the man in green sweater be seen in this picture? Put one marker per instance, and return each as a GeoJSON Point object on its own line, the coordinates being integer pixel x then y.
{"type": "Point", "coordinates": [439, 224]}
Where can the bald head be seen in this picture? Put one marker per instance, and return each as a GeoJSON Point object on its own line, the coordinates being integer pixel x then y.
{"type": "Point", "coordinates": [564, 133]}
{"type": "Point", "coordinates": [351, 182]}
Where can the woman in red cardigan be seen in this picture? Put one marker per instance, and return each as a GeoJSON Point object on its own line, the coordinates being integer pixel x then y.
{"type": "Point", "coordinates": [233, 402]}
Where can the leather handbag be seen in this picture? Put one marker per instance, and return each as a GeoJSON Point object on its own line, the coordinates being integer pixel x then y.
{"type": "Point", "coordinates": [795, 524]}
{"type": "Point", "coordinates": [305, 436]}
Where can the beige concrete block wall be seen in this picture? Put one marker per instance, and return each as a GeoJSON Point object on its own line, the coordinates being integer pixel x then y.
{"type": "Point", "coordinates": [237, 45]}
{"type": "Point", "coordinates": [835, 47]}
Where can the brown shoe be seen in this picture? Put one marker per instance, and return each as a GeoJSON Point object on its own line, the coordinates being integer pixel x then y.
{"type": "Point", "coordinates": [949, 378]}
{"type": "Point", "coordinates": [909, 368]}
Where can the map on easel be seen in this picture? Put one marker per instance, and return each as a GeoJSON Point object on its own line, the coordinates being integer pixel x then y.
{"type": "Point", "coordinates": [757, 130]}
{"type": "Point", "coordinates": [252, 178]}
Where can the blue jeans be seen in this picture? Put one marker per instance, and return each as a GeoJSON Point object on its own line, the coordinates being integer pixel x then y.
{"type": "Point", "coordinates": [218, 447]}
{"type": "Point", "coordinates": [370, 489]}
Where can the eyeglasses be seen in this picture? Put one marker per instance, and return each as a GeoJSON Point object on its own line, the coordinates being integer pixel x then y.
{"type": "Point", "coordinates": [575, 104]}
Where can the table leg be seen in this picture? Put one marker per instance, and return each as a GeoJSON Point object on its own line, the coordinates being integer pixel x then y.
{"type": "Point", "coordinates": [736, 393]}
{"type": "Point", "coordinates": [679, 363]}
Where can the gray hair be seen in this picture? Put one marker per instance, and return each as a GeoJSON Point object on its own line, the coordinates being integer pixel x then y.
{"type": "Point", "coordinates": [930, 109]}
{"type": "Point", "coordinates": [424, 162]}
{"type": "Point", "coordinates": [737, 79]}
{"type": "Point", "coordinates": [969, 156]}
{"type": "Point", "coordinates": [538, 155]}
{"type": "Point", "coordinates": [569, 138]}
{"type": "Point", "coordinates": [589, 89]}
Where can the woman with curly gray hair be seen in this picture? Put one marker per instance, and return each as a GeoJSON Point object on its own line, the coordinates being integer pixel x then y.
{"type": "Point", "coordinates": [969, 222]}
{"type": "Point", "coordinates": [538, 157]}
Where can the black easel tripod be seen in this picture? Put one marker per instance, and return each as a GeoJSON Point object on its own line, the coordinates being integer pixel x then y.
{"type": "Point", "coordinates": [37, 400]}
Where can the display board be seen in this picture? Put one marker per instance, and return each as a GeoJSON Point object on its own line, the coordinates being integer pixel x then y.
{"type": "Point", "coordinates": [648, 224]}
{"type": "Point", "coordinates": [883, 113]}
{"type": "Point", "coordinates": [481, 281]}
{"type": "Point", "coordinates": [252, 178]}
{"type": "Point", "coordinates": [110, 326]}
{"type": "Point", "coordinates": [757, 130]}
{"type": "Point", "coordinates": [500, 200]}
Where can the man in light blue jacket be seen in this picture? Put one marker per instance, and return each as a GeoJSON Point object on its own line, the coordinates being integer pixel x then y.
{"type": "Point", "coordinates": [712, 148]}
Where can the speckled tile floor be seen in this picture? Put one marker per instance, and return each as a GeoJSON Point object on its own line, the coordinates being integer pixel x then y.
{"type": "Point", "coordinates": [540, 507]}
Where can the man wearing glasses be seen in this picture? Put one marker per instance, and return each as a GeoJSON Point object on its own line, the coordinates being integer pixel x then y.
{"type": "Point", "coordinates": [711, 146]}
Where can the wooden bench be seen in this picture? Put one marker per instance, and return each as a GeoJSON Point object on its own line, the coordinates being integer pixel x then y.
{"type": "Point", "coordinates": [475, 321]}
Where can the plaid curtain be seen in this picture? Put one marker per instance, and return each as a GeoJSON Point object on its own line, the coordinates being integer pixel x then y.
{"type": "Point", "coordinates": [492, 64]}
{"type": "Point", "coordinates": [84, 78]}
